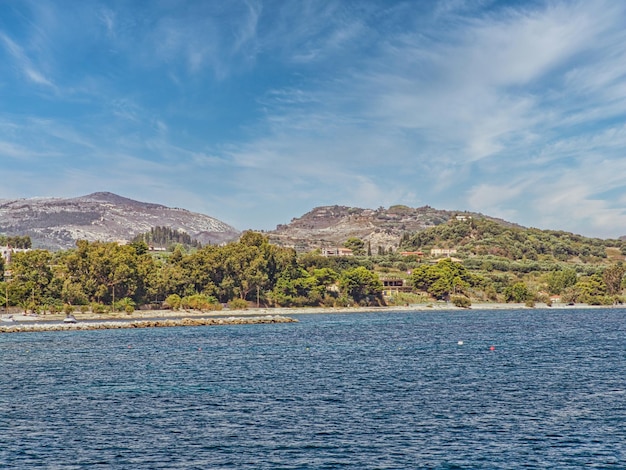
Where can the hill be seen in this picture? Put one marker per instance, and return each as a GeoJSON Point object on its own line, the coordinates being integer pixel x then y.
{"type": "Point", "coordinates": [330, 226]}
{"type": "Point", "coordinates": [56, 223]}
{"type": "Point", "coordinates": [473, 238]}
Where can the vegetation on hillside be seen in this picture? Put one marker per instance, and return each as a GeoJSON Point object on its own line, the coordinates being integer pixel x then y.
{"type": "Point", "coordinates": [489, 262]}
{"type": "Point", "coordinates": [166, 237]}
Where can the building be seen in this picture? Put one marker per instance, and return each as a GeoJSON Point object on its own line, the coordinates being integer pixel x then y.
{"type": "Point", "coordinates": [393, 285]}
{"type": "Point", "coordinates": [7, 251]}
{"type": "Point", "coordinates": [412, 253]}
{"type": "Point", "coordinates": [338, 251]}
{"type": "Point", "coordinates": [442, 251]}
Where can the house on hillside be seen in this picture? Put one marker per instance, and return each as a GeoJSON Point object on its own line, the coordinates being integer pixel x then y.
{"type": "Point", "coordinates": [338, 251]}
{"type": "Point", "coordinates": [419, 254]}
{"type": "Point", "coordinates": [442, 251]}
{"type": "Point", "coordinates": [393, 285]}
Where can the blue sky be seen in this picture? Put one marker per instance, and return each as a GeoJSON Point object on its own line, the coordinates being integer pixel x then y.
{"type": "Point", "coordinates": [255, 112]}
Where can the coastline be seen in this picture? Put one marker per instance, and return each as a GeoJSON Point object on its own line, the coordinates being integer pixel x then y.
{"type": "Point", "coordinates": [173, 318]}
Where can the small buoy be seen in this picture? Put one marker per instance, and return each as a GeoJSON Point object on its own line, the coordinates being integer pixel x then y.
{"type": "Point", "coordinates": [129, 346]}
{"type": "Point", "coordinates": [492, 348]}
{"type": "Point", "coordinates": [460, 343]}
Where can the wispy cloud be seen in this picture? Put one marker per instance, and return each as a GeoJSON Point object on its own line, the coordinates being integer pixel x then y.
{"type": "Point", "coordinates": [514, 109]}
{"type": "Point", "coordinates": [24, 64]}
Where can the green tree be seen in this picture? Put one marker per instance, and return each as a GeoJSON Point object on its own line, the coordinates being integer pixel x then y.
{"type": "Point", "coordinates": [591, 290]}
{"type": "Point", "coordinates": [31, 278]}
{"type": "Point", "coordinates": [518, 292]}
{"type": "Point", "coordinates": [356, 245]}
{"type": "Point", "coordinates": [362, 285]}
{"type": "Point", "coordinates": [613, 277]}
{"type": "Point", "coordinates": [442, 279]}
{"type": "Point", "coordinates": [558, 281]}
{"type": "Point", "coordinates": [106, 272]}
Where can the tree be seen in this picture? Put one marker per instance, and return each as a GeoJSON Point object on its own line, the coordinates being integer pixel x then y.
{"type": "Point", "coordinates": [31, 278]}
{"type": "Point", "coordinates": [591, 290]}
{"type": "Point", "coordinates": [518, 292]}
{"type": "Point", "coordinates": [442, 279]}
{"type": "Point", "coordinates": [106, 272]}
{"type": "Point", "coordinates": [356, 245]}
{"type": "Point", "coordinates": [362, 285]}
{"type": "Point", "coordinates": [612, 277]}
{"type": "Point", "coordinates": [558, 281]}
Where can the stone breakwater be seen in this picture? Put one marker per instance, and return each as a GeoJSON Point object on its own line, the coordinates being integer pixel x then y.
{"type": "Point", "coordinates": [112, 325]}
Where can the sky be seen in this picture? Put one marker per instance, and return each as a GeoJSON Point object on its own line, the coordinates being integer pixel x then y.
{"type": "Point", "coordinates": [255, 111]}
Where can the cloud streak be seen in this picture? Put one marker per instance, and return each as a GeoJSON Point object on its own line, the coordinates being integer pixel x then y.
{"type": "Point", "coordinates": [256, 111]}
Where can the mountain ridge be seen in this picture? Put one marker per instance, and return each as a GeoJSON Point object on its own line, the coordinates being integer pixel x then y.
{"type": "Point", "coordinates": [57, 223]}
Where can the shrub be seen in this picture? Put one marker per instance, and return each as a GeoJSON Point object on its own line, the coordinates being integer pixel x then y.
{"type": "Point", "coordinates": [238, 304]}
{"type": "Point", "coordinates": [172, 301]}
{"type": "Point", "coordinates": [124, 305]}
{"type": "Point", "coordinates": [200, 302]}
{"type": "Point", "coordinates": [461, 301]}
{"type": "Point", "coordinates": [98, 308]}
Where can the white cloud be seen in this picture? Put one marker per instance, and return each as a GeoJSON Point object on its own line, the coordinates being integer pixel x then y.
{"type": "Point", "coordinates": [514, 111]}
{"type": "Point", "coordinates": [22, 61]}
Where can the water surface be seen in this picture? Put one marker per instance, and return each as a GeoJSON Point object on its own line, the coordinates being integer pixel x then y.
{"type": "Point", "coordinates": [526, 389]}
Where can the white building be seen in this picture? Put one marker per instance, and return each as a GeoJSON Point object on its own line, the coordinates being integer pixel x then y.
{"type": "Point", "coordinates": [7, 251]}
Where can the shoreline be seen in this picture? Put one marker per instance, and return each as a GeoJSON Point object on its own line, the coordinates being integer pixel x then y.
{"type": "Point", "coordinates": [172, 318]}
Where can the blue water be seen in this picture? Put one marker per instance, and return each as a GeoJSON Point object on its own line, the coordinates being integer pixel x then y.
{"type": "Point", "coordinates": [362, 391]}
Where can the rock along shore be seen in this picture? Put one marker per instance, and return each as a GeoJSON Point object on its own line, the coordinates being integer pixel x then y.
{"type": "Point", "coordinates": [111, 325]}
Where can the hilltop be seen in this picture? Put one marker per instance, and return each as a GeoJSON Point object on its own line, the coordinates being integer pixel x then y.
{"type": "Point", "coordinates": [330, 226]}
{"type": "Point", "coordinates": [56, 223]}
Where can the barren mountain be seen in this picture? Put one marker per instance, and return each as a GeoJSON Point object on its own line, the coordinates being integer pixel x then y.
{"type": "Point", "coordinates": [331, 226]}
{"type": "Point", "coordinates": [56, 223]}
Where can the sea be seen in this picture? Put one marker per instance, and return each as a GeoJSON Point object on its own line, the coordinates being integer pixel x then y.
{"type": "Point", "coordinates": [461, 389]}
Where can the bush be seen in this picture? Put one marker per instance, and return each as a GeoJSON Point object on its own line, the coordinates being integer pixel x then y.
{"type": "Point", "coordinates": [238, 304]}
{"type": "Point", "coordinates": [124, 305]}
{"type": "Point", "coordinates": [99, 308]}
{"type": "Point", "coordinates": [200, 302]}
{"type": "Point", "coordinates": [172, 301]}
{"type": "Point", "coordinates": [461, 301]}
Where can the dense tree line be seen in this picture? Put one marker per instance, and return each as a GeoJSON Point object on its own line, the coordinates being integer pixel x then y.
{"type": "Point", "coordinates": [249, 270]}
{"type": "Point", "coordinates": [17, 241]}
{"type": "Point", "coordinates": [253, 271]}
{"type": "Point", "coordinates": [166, 237]}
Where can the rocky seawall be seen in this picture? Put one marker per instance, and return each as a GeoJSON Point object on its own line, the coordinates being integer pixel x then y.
{"type": "Point", "coordinates": [111, 325]}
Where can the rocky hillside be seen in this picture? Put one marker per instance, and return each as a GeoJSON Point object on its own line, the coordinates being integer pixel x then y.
{"type": "Point", "coordinates": [331, 226]}
{"type": "Point", "coordinates": [56, 223]}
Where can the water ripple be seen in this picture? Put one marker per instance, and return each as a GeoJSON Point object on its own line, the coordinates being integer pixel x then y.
{"type": "Point", "coordinates": [379, 391]}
